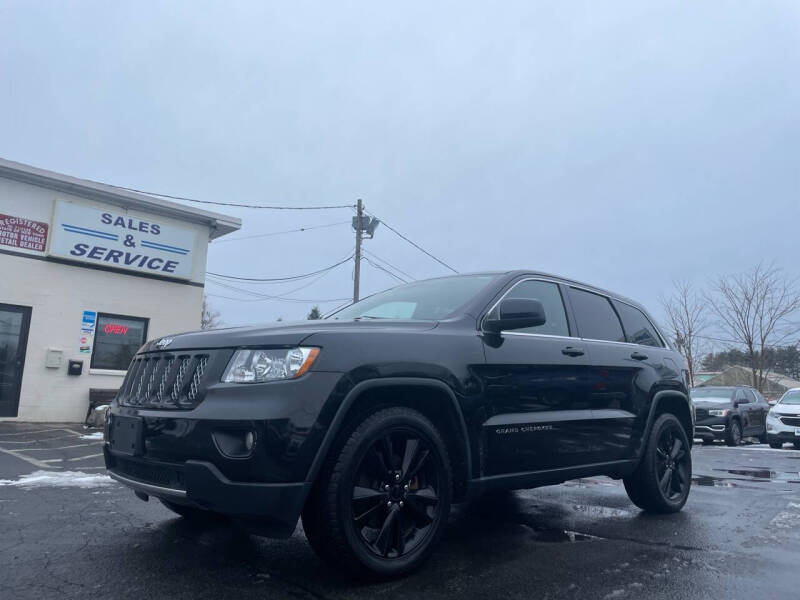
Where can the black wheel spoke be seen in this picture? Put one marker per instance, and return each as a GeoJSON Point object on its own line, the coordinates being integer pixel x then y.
{"type": "Point", "coordinates": [376, 464]}
{"type": "Point", "coordinates": [384, 540]}
{"type": "Point", "coordinates": [418, 512]}
{"type": "Point", "coordinates": [400, 541]}
{"type": "Point", "coordinates": [426, 496]}
{"type": "Point", "coordinates": [665, 481]}
{"type": "Point", "coordinates": [409, 455]}
{"type": "Point", "coordinates": [388, 452]}
{"type": "Point", "coordinates": [677, 446]}
{"type": "Point", "coordinates": [420, 463]}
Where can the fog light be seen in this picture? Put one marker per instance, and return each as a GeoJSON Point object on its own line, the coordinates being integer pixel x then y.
{"type": "Point", "coordinates": [249, 441]}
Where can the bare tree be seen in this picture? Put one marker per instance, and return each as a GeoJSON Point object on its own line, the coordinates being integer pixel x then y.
{"type": "Point", "coordinates": [209, 318]}
{"type": "Point", "coordinates": [686, 317]}
{"type": "Point", "coordinates": [755, 309]}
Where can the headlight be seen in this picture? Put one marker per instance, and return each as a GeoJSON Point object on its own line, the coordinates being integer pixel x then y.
{"type": "Point", "coordinates": [257, 366]}
{"type": "Point", "coordinates": [718, 412]}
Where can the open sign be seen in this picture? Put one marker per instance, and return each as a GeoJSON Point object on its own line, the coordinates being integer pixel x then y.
{"type": "Point", "coordinates": [115, 329]}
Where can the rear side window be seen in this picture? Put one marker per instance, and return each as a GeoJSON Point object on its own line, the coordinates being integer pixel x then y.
{"type": "Point", "coordinates": [549, 295]}
{"type": "Point", "coordinates": [595, 316]}
{"type": "Point", "coordinates": [638, 329]}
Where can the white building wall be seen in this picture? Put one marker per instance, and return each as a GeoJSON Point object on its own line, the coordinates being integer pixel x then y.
{"type": "Point", "coordinates": [59, 293]}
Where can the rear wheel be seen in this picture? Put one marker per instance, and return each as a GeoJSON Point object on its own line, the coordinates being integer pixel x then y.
{"type": "Point", "coordinates": [762, 439]}
{"type": "Point", "coordinates": [662, 481]}
{"type": "Point", "coordinates": [776, 445]}
{"type": "Point", "coordinates": [796, 445]}
{"type": "Point", "coordinates": [381, 503]}
{"type": "Point", "coordinates": [734, 437]}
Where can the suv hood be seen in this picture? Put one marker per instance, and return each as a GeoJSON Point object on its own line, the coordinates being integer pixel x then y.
{"type": "Point", "coordinates": [710, 405]}
{"type": "Point", "coordinates": [278, 334]}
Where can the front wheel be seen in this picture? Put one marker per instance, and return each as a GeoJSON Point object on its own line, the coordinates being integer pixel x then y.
{"type": "Point", "coordinates": [661, 482]}
{"type": "Point", "coordinates": [734, 433]}
{"type": "Point", "coordinates": [381, 503]}
{"type": "Point", "coordinates": [776, 445]}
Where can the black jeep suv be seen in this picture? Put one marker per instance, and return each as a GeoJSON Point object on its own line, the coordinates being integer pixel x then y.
{"type": "Point", "coordinates": [370, 424]}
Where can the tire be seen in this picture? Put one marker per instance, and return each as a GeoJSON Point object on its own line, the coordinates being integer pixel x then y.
{"type": "Point", "coordinates": [762, 439]}
{"type": "Point", "coordinates": [796, 445]}
{"type": "Point", "coordinates": [663, 479]}
{"type": "Point", "coordinates": [734, 435]}
{"type": "Point", "coordinates": [394, 470]}
{"type": "Point", "coordinates": [776, 445]}
{"type": "Point", "coordinates": [707, 442]}
{"type": "Point", "coordinates": [190, 512]}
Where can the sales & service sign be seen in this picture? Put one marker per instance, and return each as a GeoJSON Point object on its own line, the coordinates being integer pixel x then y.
{"type": "Point", "coordinates": [25, 234]}
{"type": "Point", "coordinates": [120, 240]}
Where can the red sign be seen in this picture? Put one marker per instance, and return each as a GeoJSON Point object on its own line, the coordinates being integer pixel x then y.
{"type": "Point", "coordinates": [116, 329]}
{"type": "Point", "coordinates": [22, 233]}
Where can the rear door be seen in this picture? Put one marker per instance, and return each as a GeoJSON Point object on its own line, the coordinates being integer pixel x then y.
{"type": "Point", "coordinates": [622, 373]}
{"type": "Point", "coordinates": [538, 410]}
{"type": "Point", "coordinates": [749, 411]}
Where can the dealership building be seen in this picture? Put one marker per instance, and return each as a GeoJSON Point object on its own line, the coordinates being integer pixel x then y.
{"type": "Point", "coordinates": [88, 272]}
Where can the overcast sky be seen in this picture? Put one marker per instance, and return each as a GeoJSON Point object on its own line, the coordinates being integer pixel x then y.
{"type": "Point", "coordinates": [623, 144]}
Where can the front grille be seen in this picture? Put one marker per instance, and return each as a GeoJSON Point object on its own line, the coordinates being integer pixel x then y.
{"type": "Point", "coordinates": [791, 421]}
{"type": "Point", "coordinates": [165, 380]}
{"type": "Point", "coordinates": [160, 474]}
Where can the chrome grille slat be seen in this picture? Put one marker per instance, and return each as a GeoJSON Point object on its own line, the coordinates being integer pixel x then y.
{"type": "Point", "coordinates": [165, 380]}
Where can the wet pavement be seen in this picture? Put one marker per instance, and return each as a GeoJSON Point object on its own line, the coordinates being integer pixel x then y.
{"type": "Point", "coordinates": [66, 531]}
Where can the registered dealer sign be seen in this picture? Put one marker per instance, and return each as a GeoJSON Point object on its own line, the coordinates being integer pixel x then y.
{"type": "Point", "coordinates": [23, 233]}
{"type": "Point", "coordinates": [122, 240]}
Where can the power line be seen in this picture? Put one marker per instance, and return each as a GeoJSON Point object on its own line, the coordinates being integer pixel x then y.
{"type": "Point", "coordinates": [387, 263]}
{"type": "Point", "coordinates": [289, 278]}
{"type": "Point", "coordinates": [262, 235]}
{"type": "Point", "coordinates": [387, 271]}
{"type": "Point", "coordinates": [187, 199]}
{"type": "Point", "coordinates": [417, 246]}
{"type": "Point", "coordinates": [293, 300]}
{"type": "Point", "coordinates": [257, 296]}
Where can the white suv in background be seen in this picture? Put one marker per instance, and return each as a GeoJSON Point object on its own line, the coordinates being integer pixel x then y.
{"type": "Point", "coordinates": [783, 420]}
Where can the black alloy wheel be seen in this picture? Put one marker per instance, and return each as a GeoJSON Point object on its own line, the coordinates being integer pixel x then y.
{"type": "Point", "coordinates": [672, 466]}
{"type": "Point", "coordinates": [380, 503]}
{"type": "Point", "coordinates": [662, 481]}
{"type": "Point", "coordinates": [395, 498]}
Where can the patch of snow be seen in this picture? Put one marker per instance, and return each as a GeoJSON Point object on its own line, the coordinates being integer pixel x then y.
{"type": "Point", "coordinates": [101, 407]}
{"type": "Point", "coordinates": [96, 435]}
{"type": "Point", "coordinates": [59, 479]}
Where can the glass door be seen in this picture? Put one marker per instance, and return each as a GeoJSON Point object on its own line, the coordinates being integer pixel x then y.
{"type": "Point", "coordinates": [14, 324]}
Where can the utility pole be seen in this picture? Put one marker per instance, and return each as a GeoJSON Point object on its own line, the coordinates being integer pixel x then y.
{"type": "Point", "coordinates": [359, 232]}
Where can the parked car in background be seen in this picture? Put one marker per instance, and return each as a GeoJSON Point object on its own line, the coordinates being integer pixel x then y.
{"type": "Point", "coordinates": [729, 414]}
{"type": "Point", "coordinates": [783, 420]}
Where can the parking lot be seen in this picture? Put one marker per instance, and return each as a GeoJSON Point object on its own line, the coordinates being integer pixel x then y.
{"type": "Point", "coordinates": [70, 532]}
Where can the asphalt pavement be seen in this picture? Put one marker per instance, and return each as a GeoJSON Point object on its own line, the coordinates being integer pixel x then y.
{"type": "Point", "coordinates": [67, 531]}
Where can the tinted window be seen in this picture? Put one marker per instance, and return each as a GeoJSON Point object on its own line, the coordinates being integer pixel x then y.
{"type": "Point", "coordinates": [549, 295]}
{"type": "Point", "coordinates": [116, 340]}
{"type": "Point", "coordinates": [595, 316]}
{"type": "Point", "coordinates": [638, 328]}
{"type": "Point", "coordinates": [423, 300]}
{"type": "Point", "coordinates": [749, 396]}
{"type": "Point", "coordinates": [742, 397]}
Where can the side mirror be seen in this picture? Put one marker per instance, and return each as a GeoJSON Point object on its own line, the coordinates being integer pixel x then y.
{"type": "Point", "coordinates": [516, 313]}
{"type": "Point", "coordinates": [772, 402]}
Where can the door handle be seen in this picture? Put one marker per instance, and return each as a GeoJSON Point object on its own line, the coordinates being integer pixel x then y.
{"type": "Point", "coordinates": [572, 351]}
{"type": "Point", "coordinates": [639, 356]}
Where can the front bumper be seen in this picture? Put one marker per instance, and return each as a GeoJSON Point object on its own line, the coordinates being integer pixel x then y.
{"type": "Point", "coordinates": [711, 429]}
{"type": "Point", "coordinates": [182, 456]}
{"type": "Point", "coordinates": [777, 431]}
{"type": "Point", "coordinates": [200, 484]}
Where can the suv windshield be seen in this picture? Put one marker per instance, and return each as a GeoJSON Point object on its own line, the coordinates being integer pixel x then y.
{"type": "Point", "coordinates": [423, 301]}
{"type": "Point", "coordinates": [792, 397]}
{"type": "Point", "coordinates": [711, 395]}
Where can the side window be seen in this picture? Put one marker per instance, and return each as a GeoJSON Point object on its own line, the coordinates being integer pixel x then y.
{"type": "Point", "coordinates": [595, 316]}
{"type": "Point", "coordinates": [638, 328]}
{"type": "Point", "coordinates": [742, 397]}
{"type": "Point", "coordinates": [750, 396]}
{"type": "Point", "coordinates": [549, 295]}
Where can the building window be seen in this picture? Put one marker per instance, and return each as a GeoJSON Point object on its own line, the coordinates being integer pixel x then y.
{"type": "Point", "coordinates": [116, 340]}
